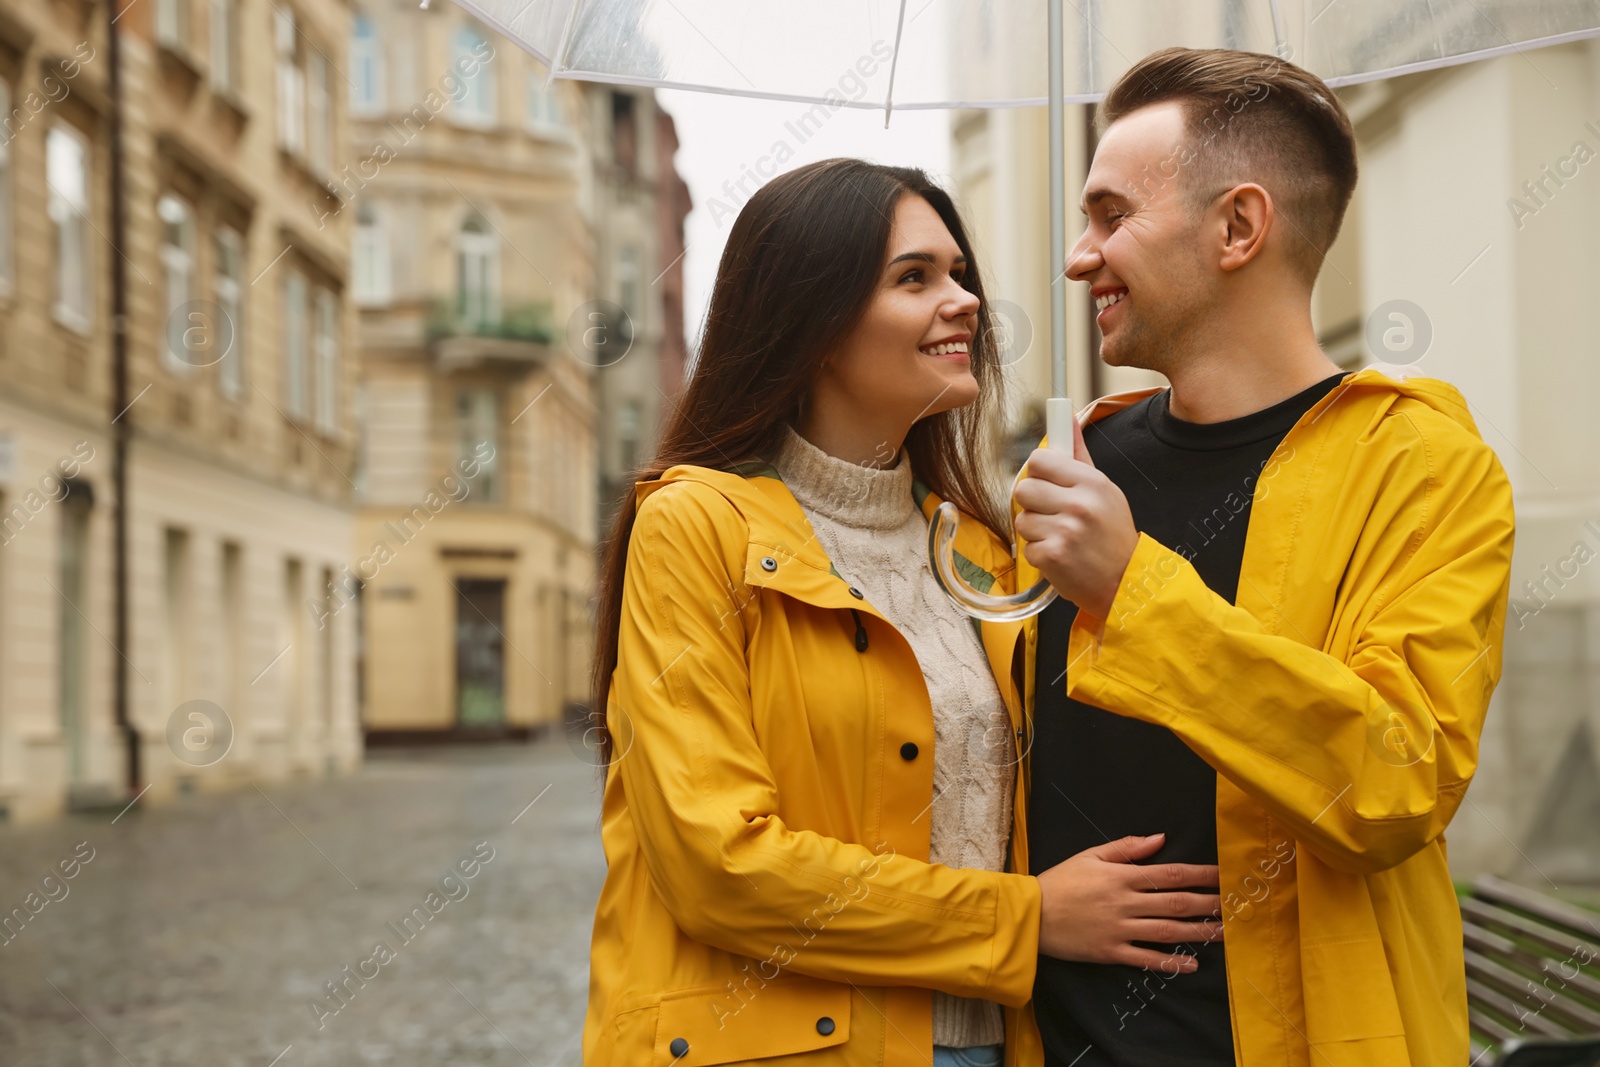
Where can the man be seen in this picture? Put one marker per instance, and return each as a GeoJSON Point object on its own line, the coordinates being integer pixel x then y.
{"type": "Point", "coordinates": [1283, 591]}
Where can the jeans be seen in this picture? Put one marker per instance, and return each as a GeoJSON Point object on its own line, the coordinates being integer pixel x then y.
{"type": "Point", "coordinates": [977, 1056]}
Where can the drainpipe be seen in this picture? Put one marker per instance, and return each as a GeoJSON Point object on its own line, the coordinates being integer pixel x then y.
{"type": "Point", "coordinates": [122, 424]}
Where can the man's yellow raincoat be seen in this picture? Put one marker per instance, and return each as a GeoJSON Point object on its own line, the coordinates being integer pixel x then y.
{"type": "Point", "coordinates": [768, 899]}
{"type": "Point", "coordinates": [1340, 700]}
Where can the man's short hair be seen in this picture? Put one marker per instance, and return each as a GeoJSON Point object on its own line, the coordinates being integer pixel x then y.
{"type": "Point", "coordinates": [1252, 117]}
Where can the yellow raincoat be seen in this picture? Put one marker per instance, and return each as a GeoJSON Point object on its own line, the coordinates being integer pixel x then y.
{"type": "Point", "coordinates": [1340, 701]}
{"type": "Point", "coordinates": [768, 898]}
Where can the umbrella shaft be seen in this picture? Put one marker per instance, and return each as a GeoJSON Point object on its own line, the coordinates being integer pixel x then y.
{"type": "Point", "coordinates": [1058, 213]}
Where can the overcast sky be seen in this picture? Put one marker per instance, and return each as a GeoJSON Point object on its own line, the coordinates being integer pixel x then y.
{"type": "Point", "coordinates": [723, 139]}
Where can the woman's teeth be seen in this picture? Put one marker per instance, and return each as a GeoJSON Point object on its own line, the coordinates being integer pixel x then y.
{"type": "Point", "coordinates": [1105, 301]}
{"type": "Point", "coordinates": [944, 350]}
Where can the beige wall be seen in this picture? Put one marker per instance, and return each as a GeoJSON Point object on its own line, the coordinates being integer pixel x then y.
{"type": "Point", "coordinates": [626, 217]}
{"type": "Point", "coordinates": [285, 719]}
{"type": "Point", "coordinates": [1443, 156]}
{"type": "Point", "coordinates": [216, 467]}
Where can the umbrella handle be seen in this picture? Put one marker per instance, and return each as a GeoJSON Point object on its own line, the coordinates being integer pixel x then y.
{"type": "Point", "coordinates": [942, 535]}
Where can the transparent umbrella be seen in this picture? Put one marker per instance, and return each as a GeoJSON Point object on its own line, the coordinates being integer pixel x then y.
{"type": "Point", "coordinates": [888, 54]}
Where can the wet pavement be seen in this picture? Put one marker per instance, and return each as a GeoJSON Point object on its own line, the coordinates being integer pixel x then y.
{"type": "Point", "coordinates": [433, 909]}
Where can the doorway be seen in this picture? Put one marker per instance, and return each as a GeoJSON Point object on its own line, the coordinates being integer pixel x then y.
{"type": "Point", "coordinates": [480, 652]}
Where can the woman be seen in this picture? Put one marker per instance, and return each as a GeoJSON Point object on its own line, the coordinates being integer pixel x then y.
{"type": "Point", "coordinates": [811, 813]}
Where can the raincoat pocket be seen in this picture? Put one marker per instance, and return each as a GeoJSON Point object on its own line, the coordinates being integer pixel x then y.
{"type": "Point", "coordinates": [733, 1023]}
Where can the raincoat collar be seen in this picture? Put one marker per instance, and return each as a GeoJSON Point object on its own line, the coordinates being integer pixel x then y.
{"type": "Point", "coordinates": [1439, 395]}
{"type": "Point", "coordinates": [1365, 394]}
{"type": "Point", "coordinates": [784, 553]}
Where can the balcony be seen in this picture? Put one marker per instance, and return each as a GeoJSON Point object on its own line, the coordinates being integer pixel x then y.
{"type": "Point", "coordinates": [518, 341]}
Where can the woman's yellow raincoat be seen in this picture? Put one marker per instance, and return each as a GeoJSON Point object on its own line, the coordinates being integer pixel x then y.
{"type": "Point", "coordinates": [1340, 699]}
{"type": "Point", "coordinates": [768, 898]}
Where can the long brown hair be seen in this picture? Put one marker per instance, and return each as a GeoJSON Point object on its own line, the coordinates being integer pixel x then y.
{"type": "Point", "coordinates": [798, 273]}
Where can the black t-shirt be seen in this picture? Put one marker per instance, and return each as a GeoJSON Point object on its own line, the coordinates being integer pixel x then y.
{"type": "Point", "coordinates": [1098, 776]}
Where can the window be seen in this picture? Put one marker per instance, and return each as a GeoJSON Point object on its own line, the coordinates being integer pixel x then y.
{"type": "Point", "coordinates": [5, 192]}
{"type": "Point", "coordinates": [370, 266]}
{"type": "Point", "coordinates": [232, 643]}
{"type": "Point", "coordinates": [295, 385]}
{"type": "Point", "coordinates": [176, 633]}
{"type": "Point", "coordinates": [476, 106]}
{"type": "Point", "coordinates": [366, 68]}
{"type": "Point", "coordinates": [544, 105]}
{"type": "Point", "coordinates": [402, 233]}
{"type": "Point", "coordinates": [291, 84]}
{"type": "Point", "coordinates": [565, 499]}
{"type": "Point", "coordinates": [227, 289]}
{"type": "Point", "coordinates": [73, 574]}
{"type": "Point", "coordinates": [477, 274]}
{"type": "Point", "coordinates": [172, 23]}
{"type": "Point", "coordinates": [319, 150]}
{"type": "Point", "coordinates": [624, 133]}
{"type": "Point", "coordinates": [67, 174]}
{"type": "Point", "coordinates": [628, 285]}
{"type": "Point", "coordinates": [327, 362]}
{"type": "Point", "coordinates": [400, 76]}
{"type": "Point", "coordinates": [361, 401]}
{"type": "Point", "coordinates": [325, 663]}
{"type": "Point", "coordinates": [477, 420]}
{"type": "Point", "coordinates": [292, 636]}
{"type": "Point", "coordinates": [630, 418]}
{"type": "Point", "coordinates": [177, 262]}
{"type": "Point", "coordinates": [224, 46]}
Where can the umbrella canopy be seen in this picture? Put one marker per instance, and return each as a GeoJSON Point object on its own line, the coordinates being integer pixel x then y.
{"type": "Point", "coordinates": [993, 53]}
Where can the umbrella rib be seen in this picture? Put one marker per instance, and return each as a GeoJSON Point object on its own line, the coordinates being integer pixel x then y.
{"type": "Point", "coordinates": [1277, 28]}
{"type": "Point", "coordinates": [894, 64]}
{"type": "Point", "coordinates": [560, 55]}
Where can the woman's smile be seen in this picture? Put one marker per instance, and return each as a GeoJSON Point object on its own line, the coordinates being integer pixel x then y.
{"type": "Point", "coordinates": [955, 348]}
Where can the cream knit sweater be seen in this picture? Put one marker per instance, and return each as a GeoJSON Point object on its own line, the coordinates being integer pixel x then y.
{"type": "Point", "coordinates": [868, 523]}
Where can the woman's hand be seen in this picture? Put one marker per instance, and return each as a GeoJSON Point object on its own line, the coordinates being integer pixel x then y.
{"type": "Point", "coordinates": [1096, 904]}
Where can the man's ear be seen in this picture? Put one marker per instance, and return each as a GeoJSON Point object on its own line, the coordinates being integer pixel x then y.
{"type": "Point", "coordinates": [1248, 215]}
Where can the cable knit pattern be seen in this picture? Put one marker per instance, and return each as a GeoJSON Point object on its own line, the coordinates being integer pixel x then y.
{"type": "Point", "coordinates": [873, 531]}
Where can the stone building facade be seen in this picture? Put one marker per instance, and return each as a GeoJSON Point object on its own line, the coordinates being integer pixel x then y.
{"type": "Point", "coordinates": [505, 238]}
{"type": "Point", "coordinates": [173, 201]}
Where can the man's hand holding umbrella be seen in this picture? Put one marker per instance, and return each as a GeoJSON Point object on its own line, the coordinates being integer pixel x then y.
{"type": "Point", "coordinates": [1076, 522]}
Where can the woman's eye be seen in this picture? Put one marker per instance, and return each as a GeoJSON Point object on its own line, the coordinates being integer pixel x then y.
{"type": "Point", "coordinates": [919, 276]}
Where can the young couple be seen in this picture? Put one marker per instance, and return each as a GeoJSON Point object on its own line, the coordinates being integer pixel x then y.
{"type": "Point", "coordinates": [1191, 814]}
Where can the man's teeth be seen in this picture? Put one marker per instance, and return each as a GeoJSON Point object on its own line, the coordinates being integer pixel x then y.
{"type": "Point", "coordinates": [1106, 300]}
{"type": "Point", "coordinates": [945, 350]}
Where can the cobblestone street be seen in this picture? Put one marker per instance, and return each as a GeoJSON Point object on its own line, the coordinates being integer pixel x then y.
{"type": "Point", "coordinates": [210, 931]}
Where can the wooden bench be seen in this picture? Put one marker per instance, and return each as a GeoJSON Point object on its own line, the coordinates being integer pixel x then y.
{"type": "Point", "coordinates": [1533, 995]}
